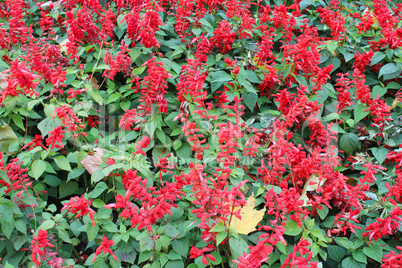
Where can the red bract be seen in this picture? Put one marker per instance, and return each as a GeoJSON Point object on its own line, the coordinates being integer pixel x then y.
{"type": "Point", "coordinates": [80, 206]}
{"type": "Point", "coordinates": [129, 119]}
{"type": "Point", "coordinates": [36, 142]}
{"type": "Point", "coordinates": [392, 259]}
{"type": "Point", "coordinates": [105, 248]}
{"type": "Point", "coordinates": [20, 80]}
{"type": "Point", "coordinates": [334, 19]}
{"type": "Point", "coordinates": [384, 226]}
{"type": "Point", "coordinates": [56, 138]}
{"type": "Point", "coordinates": [69, 119]}
{"type": "Point", "coordinates": [18, 176]}
{"type": "Point", "coordinates": [223, 37]}
{"type": "Point", "coordinates": [153, 87]}
{"type": "Point", "coordinates": [297, 257]}
{"type": "Point", "coordinates": [195, 252]}
{"type": "Point", "coordinates": [40, 246]}
{"type": "Point", "coordinates": [121, 63]}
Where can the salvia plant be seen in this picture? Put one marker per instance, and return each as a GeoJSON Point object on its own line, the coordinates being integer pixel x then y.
{"type": "Point", "coordinates": [200, 133]}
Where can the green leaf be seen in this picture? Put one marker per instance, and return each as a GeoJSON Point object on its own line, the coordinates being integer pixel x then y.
{"type": "Point", "coordinates": [146, 243]}
{"type": "Point", "coordinates": [184, 151]}
{"type": "Point", "coordinates": [47, 125]}
{"type": "Point", "coordinates": [181, 246]}
{"type": "Point", "coordinates": [67, 188]}
{"type": "Point", "coordinates": [360, 112]}
{"type": "Point", "coordinates": [63, 234]}
{"type": "Point", "coordinates": [62, 163]}
{"type": "Point", "coordinates": [380, 154]}
{"type": "Point", "coordinates": [47, 224]}
{"type": "Point", "coordinates": [171, 231]}
{"type": "Point", "coordinates": [237, 247]}
{"type": "Point", "coordinates": [99, 188]}
{"type": "Point", "coordinates": [138, 71]}
{"type": "Point", "coordinates": [7, 136]}
{"type": "Point", "coordinates": [250, 100]}
{"type": "Point", "coordinates": [292, 228]}
{"type": "Point", "coordinates": [349, 142]}
{"type": "Point", "coordinates": [220, 237]}
{"type": "Point", "coordinates": [336, 252]}
{"type": "Point", "coordinates": [21, 226]}
{"type": "Point", "coordinates": [38, 167]}
{"type": "Point", "coordinates": [17, 119]}
{"type": "Point", "coordinates": [175, 264]}
{"type": "Point", "coordinates": [344, 242]}
{"type": "Point", "coordinates": [359, 256]}
{"type": "Point", "coordinates": [7, 228]}
{"type": "Point", "coordinates": [374, 252]}
{"type": "Point", "coordinates": [348, 56]}
{"type": "Point", "coordinates": [388, 68]}
{"type": "Point", "coordinates": [378, 91]}
{"type": "Point", "coordinates": [6, 208]}
{"type": "Point", "coordinates": [350, 262]}
{"type": "Point", "coordinates": [219, 227]}
{"type": "Point", "coordinates": [323, 212]}
{"type": "Point", "coordinates": [97, 175]}
{"type": "Point", "coordinates": [207, 26]}
{"type": "Point", "coordinates": [92, 232]}
{"type": "Point", "coordinates": [113, 98]}
{"type": "Point", "coordinates": [103, 67]}
{"type": "Point", "coordinates": [218, 78]}
{"type": "Point", "coordinates": [377, 57]}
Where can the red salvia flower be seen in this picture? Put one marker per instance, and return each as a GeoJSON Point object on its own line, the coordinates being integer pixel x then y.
{"type": "Point", "coordinates": [80, 206]}
{"type": "Point", "coordinates": [105, 248]}
{"type": "Point", "coordinates": [55, 138]}
{"type": "Point", "coordinates": [40, 245]}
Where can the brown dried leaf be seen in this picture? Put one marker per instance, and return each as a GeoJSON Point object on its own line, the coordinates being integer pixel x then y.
{"type": "Point", "coordinates": [94, 83]}
{"type": "Point", "coordinates": [361, 158]}
{"type": "Point", "coordinates": [93, 162]}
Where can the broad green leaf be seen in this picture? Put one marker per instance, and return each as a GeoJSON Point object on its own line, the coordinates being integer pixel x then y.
{"type": "Point", "coordinates": [250, 99]}
{"type": "Point", "coordinates": [181, 246]}
{"type": "Point", "coordinates": [218, 78]}
{"type": "Point", "coordinates": [47, 224]}
{"type": "Point", "coordinates": [292, 228]}
{"type": "Point", "coordinates": [350, 262]}
{"type": "Point", "coordinates": [237, 247]}
{"type": "Point", "coordinates": [388, 68]}
{"type": "Point", "coordinates": [7, 136]}
{"type": "Point", "coordinates": [349, 142]}
{"type": "Point", "coordinates": [99, 189]}
{"type": "Point", "coordinates": [67, 188]}
{"type": "Point", "coordinates": [377, 57]}
{"type": "Point", "coordinates": [336, 252]}
{"type": "Point", "coordinates": [360, 112]}
{"type": "Point", "coordinates": [380, 154]}
{"type": "Point", "coordinates": [38, 167]}
{"type": "Point", "coordinates": [47, 125]}
{"type": "Point", "coordinates": [62, 163]}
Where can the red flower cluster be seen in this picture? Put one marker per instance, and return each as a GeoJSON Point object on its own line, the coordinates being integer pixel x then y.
{"type": "Point", "coordinates": [80, 206]}
{"type": "Point", "coordinates": [40, 246]}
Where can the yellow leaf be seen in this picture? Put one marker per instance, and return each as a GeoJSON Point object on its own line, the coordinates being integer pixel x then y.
{"type": "Point", "coordinates": [394, 103]}
{"type": "Point", "coordinates": [249, 217]}
{"type": "Point", "coordinates": [261, 65]}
